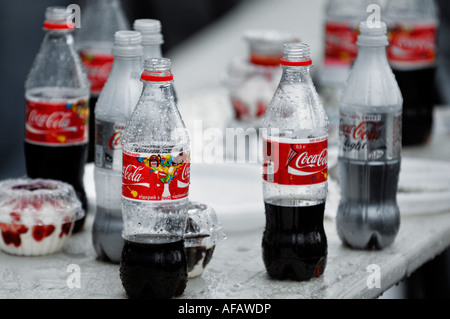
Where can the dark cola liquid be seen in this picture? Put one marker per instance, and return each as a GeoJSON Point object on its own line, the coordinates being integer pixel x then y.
{"type": "Point", "coordinates": [65, 163]}
{"type": "Point", "coordinates": [294, 242]}
{"type": "Point", "coordinates": [368, 216]}
{"type": "Point", "coordinates": [91, 147]}
{"type": "Point", "coordinates": [417, 89]}
{"type": "Point", "coordinates": [153, 270]}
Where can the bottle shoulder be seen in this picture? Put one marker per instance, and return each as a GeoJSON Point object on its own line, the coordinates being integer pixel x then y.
{"type": "Point", "coordinates": [118, 97]}
{"type": "Point", "coordinates": [297, 107]}
{"type": "Point", "coordinates": [156, 121]}
{"type": "Point", "coordinates": [57, 65]}
{"type": "Point", "coordinates": [372, 85]}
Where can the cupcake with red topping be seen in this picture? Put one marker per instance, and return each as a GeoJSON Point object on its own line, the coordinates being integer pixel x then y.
{"type": "Point", "coordinates": [36, 216]}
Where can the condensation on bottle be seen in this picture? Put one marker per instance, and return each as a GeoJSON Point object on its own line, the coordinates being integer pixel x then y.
{"type": "Point", "coordinates": [57, 109]}
{"type": "Point", "coordinates": [295, 173]}
{"type": "Point", "coordinates": [155, 189]}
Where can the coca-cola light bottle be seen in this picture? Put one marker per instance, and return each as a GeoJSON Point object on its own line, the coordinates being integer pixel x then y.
{"type": "Point", "coordinates": [412, 55]}
{"type": "Point", "coordinates": [57, 111]}
{"type": "Point", "coordinates": [115, 104]}
{"type": "Point", "coordinates": [155, 189]}
{"type": "Point", "coordinates": [94, 42]}
{"type": "Point", "coordinates": [295, 172]}
{"type": "Point", "coordinates": [370, 142]}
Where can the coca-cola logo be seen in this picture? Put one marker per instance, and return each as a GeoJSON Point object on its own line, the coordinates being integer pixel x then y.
{"type": "Point", "coordinates": [52, 121]}
{"type": "Point", "coordinates": [186, 173]}
{"type": "Point", "coordinates": [412, 44]}
{"type": "Point", "coordinates": [133, 173]}
{"type": "Point", "coordinates": [366, 130]}
{"type": "Point", "coordinates": [100, 71]}
{"type": "Point", "coordinates": [115, 142]}
{"type": "Point", "coordinates": [307, 160]}
{"type": "Point", "coordinates": [341, 42]}
{"type": "Point", "coordinates": [425, 43]}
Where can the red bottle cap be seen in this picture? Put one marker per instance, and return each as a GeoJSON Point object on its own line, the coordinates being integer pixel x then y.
{"type": "Point", "coordinates": [58, 25]}
{"type": "Point", "coordinates": [154, 77]}
{"type": "Point", "coordinates": [296, 63]}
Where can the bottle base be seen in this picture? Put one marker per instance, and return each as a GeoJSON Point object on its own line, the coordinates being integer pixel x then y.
{"type": "Point", "coordinates": [153, 271]}
{"type": "Point", "coordinates": [373, 243]}
{"type": "Point", "coordinates": [297, 270]}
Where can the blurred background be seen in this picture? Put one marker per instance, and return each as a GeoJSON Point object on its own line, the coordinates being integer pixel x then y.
{"type": "Point", "coordinates": [201, 37]}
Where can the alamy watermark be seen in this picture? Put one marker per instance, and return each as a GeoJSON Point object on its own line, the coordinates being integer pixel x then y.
{"type": "Point", "coordinates": [374, 279]}
{"type": "Point", "coordinates": [74, 278]}
{"type": "Point", "coordinates": [374, 19]}
{"type": "Point", "coordinates": [74, 18]}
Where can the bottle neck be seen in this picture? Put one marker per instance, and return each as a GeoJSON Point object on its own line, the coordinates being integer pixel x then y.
{"type": "Point", "coordinates": [296, 74]}
{"type": "Point", "coordinates": [125, 65]}
{"type": "Point", "coordinates": [60, 35]}
{"type": "Point", "coordinates": [152, 50]}
{"type": "Point", "coordinates": [159, 90]}
{"type": "Point", "coordinates": [372, 54]}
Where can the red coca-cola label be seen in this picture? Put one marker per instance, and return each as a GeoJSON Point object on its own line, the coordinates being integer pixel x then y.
{"type": "Point", "coordinates": [412, 45]}
{"type": "Point", "coordinates": [155, 177]}
{"type": "Point", "coordinates": [57, 123]}
{"type": "Point", "coordinates": [98, 67]}
{"type": "Point", "coordinates": [340, 43]}
{"type": "Point", "coordinates": [302, 163]}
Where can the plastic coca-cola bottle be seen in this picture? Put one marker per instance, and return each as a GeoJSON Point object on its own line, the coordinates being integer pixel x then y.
{"type": "Point", "coordinates": [370, 146]}
{"type": "Point", "coordinates": [114, 107]}
{"type": "Point", "coordinates": [155, 189]}
{"type": "Point", "coordinates": [412, 56]}
{"type": "Point", "coordinates": [57, 111]}
{"type": "Point", "coordinates": [94, 42]}
{"type": "Point", "coordinates": [295, 172]}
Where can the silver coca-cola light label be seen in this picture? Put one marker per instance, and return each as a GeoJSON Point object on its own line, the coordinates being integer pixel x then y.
{"type": "Point", "coordinates": [108, 144]}
{"type": "Point", "coordinates": [370, 136]}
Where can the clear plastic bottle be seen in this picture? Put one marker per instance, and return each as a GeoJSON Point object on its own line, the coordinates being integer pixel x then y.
{"type": "Point", "coordinates": [155, 189]}
{"type": "Point", "coordinates": [370, 147]}
{"type": "Point", "coordinates": [295, 172]}
{"type": "Point", "coordinates": [114, 107]}
{"type": "Point", "coordinates": [412, 55]}
{"type": "Point", "coordinates": [57, 112]}
{"type": "Point", "coordinates": [94, 41]}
